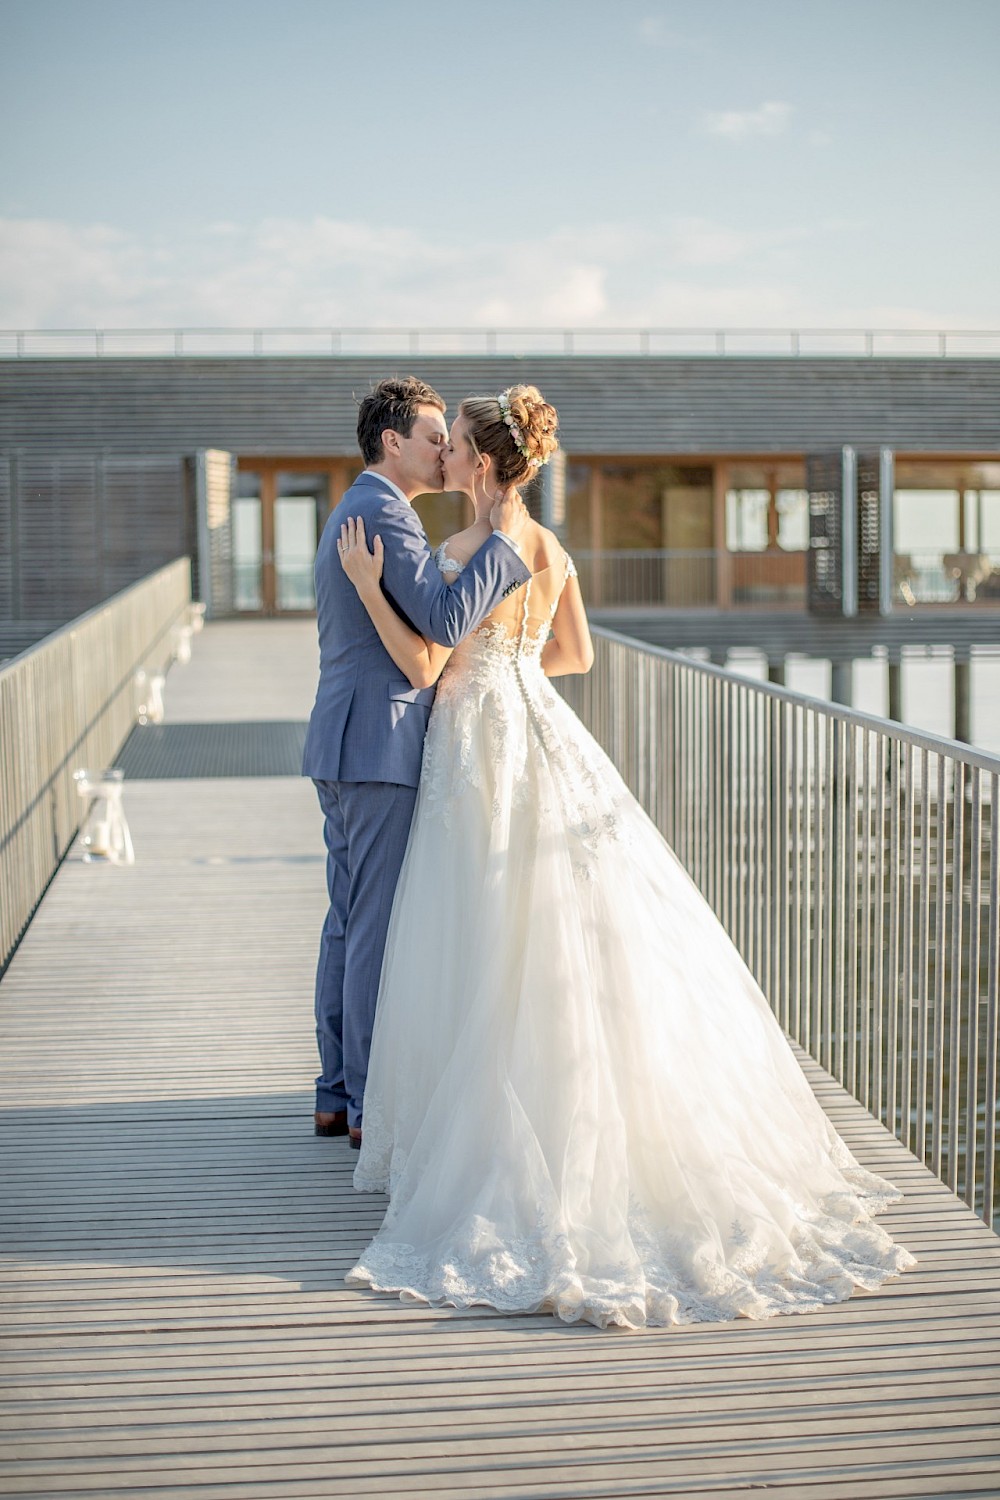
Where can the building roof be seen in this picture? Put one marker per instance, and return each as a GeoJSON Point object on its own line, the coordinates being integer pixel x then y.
{"type": "Point", "coordinates": [642, 404]}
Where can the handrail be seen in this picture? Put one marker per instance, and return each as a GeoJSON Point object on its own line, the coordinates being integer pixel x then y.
{"type": "Point", "coordinates": [855, 864]}
{"type": "Point", "coordinates": [763, 578]}
{"type": "Point", "coordinates": [23, 343]}
{"type": "Point", "coordinates": [68, 703]}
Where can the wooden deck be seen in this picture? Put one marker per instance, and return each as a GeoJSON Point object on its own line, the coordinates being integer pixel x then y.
{"type": "Point", "coordinates": [174, 1238]}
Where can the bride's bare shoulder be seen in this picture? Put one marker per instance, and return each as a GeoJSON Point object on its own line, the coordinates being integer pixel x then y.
{"type": "Point", "coordinates": [544, 549]}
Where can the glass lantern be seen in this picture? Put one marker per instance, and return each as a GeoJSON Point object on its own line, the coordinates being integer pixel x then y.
{"type": "Point", "coordinates": [104, 836]}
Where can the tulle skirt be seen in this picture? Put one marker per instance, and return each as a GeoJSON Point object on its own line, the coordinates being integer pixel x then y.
{"type": "Point", "coordinates": [578, 1098]}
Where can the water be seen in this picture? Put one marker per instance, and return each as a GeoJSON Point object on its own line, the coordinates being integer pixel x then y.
{"type": "Point", "coordinates": [928, 690]}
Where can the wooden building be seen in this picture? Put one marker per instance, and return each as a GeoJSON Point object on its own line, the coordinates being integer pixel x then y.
{"type": "Point", "coordinates": [684, 484]}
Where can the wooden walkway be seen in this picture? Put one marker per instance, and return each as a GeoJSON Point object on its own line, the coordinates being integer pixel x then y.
{"type": "Point", "coordinates": [174, 1238]}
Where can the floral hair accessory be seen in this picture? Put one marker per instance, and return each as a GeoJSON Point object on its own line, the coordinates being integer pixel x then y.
{"type": "Point", "coordinates": [503, 401]}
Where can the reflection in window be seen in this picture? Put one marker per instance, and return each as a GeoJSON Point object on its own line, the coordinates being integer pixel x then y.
{"type": "Point", "coordinates": [301, 504]}
{"type": "Point", "coordinates": [247, 542]}
{"type": "Point", "coordinates": [578, 533]}
{"type": "Point", "coordinates": [988, 521]}
{"type": "Point", "coordinates": [925, 520]}
{"type": "Point", "coordinates": [746, 520]}
{"type": "Point", "coordinates": [754, 523]}
{"type": "Point", "coordinates": [793, 520]}
{"type": "Point", "coordinates": [654, 507]}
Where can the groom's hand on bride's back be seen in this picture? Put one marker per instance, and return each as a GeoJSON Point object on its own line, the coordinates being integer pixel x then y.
{"type": "Point", "coordinates": [509, 515]}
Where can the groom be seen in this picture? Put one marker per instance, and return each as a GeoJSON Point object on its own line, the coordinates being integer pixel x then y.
{"type": "Point", "coordinates": [366, 733]}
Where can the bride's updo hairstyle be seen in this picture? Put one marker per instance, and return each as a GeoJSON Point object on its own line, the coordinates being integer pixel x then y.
{"type": "Point", "coordinates": [517, 429]}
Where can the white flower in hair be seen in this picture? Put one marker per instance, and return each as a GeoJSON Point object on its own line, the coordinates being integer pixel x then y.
{"type": "Point", "coordinates": [503, 401]}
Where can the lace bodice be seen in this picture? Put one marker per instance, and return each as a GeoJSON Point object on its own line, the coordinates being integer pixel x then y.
{"type": "Point", "coordinates": [512, 631]}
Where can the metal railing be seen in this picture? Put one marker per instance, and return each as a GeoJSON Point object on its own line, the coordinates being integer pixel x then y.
{"type": "Point", "coordinates": [66, 704]}
{"type": "Point", "coordinates": [704, 578]}
{"type": "Point", "coordinates": [855, 865]}
{"type": "Point", "coordinates": [770, 579]}
{"type": "Point", "coordinates": [23, 343]}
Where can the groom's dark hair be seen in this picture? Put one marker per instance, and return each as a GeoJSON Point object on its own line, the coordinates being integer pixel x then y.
{"type": "Point", "coordinates": [392, 404]}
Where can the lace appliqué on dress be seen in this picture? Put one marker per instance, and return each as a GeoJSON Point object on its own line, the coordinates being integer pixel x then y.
{"type": "Point", "coordinates": [492, 699]}
{"type": "Point", "coordinates": [662, 1284]}
{"type": "Point", "coordinates": [445, 563]}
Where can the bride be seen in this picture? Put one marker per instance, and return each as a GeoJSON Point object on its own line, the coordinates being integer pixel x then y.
{"type": "Point", "coordinates": [578, 1099]}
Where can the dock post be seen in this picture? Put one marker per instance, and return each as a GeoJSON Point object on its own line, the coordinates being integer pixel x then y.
{"type": "Point", "coordinates": [963, 699]}
{"type": "Point", "coordinates": [896, 689]}
{"type": "Point", "coordinates": [842, 682]}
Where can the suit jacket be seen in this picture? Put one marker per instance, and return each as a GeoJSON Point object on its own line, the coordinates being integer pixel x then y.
{"type": "Point", "coordinates": [368, 723]}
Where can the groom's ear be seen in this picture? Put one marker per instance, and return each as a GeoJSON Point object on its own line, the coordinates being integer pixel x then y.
{"type": "Point", "coordinates": [390, 441]}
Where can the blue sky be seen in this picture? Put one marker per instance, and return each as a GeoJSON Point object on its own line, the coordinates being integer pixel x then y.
{"type": "Point", "coordinates": [740, 162]}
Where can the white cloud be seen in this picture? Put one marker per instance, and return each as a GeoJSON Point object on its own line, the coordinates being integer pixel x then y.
{"type": "Point", "coordinates": [737, 125]}
{"type": "Point", "coordinates": [655, 32]}
{"type": "Point", "coordinates": [52, 272]}
{"type": "Point", "coordinates": [701, 242]}
{"type": "Point", "coordinates": [295, 272]}
{"type": "Point", "coordinates": [323, 272]}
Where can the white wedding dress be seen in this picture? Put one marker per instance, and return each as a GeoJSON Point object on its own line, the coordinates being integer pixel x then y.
{"type": "Point", "coordinates": [578, 1098]}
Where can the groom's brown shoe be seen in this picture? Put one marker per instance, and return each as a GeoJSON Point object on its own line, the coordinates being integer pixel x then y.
{"type": "Point", "coordinates": [331, 1122]}
{"type": "Point", "coordinates": [355, 1138]}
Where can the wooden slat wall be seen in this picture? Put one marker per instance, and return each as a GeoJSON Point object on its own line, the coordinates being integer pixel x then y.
{"type": "Point", "coordinates": [99, 448]}
{"type": "Point", "coordinates": [142, 520]}
{"type": "Point", "coordinates": [58, 523]}
{"type": "Point", "coordinates": [6, 543]}
{"type": "Point", "coordinates": [82, 526]}
{"type": "Point", "coordinates": [627, 405]}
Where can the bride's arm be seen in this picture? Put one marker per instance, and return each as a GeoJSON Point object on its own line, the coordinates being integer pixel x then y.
{"type": "Point", "coordinates": [422, 662]}
{"type": "Point", "coordinates": [570, 649]}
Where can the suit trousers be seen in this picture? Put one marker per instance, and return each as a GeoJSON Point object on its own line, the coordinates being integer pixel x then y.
{"type": "Point", "coordinates": [366, 827]}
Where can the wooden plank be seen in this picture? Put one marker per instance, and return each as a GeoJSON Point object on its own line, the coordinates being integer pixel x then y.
{"type": "Point", "coordinates": [173, 1241]}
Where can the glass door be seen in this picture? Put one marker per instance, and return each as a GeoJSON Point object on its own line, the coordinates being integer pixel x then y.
{"type": "Point", "coordinates": [278, 513]}
{"type": "Point", "coordinates": [301, 503]}
{"type": "Point", "coordinates": [248, 594]}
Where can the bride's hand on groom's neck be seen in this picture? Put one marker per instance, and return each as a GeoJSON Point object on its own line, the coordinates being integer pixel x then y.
{"type": "Point", "coordinates": [509, 514]}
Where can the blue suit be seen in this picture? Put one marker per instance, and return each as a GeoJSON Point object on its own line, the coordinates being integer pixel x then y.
{"type": "Point", "coordinates": [363, 750]}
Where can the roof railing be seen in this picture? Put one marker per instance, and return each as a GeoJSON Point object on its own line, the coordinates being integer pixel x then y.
{"type": "Point", "coordinates": [329, 342]}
